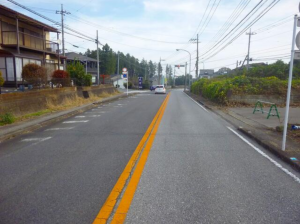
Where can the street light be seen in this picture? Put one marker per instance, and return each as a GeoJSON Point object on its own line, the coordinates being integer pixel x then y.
{"type": "Point", "coordinates": [189, 66]}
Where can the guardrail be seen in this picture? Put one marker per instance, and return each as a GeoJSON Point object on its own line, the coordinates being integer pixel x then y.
{"type": "Point", "coordinates": [260, 104]}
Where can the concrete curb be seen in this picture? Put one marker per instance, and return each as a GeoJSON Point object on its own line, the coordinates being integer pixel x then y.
{"type": "Point", "coordinates": [35, 124]}
{"type": "Point", "coordinates": [271, 148]}
{"type": "Point", "coordinates": [277, 152]}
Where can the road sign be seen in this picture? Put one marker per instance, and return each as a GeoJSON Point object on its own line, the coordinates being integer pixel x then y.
{"type": "Point", "coordinates": [124, 75]}
{"type": "Point", "coordinates": [178, 66]}
{"type": "Point", "coordinates": [298, 40]}
{"type": "Point", "coordinates": [140, 82]}
{"type": "Point", "coordinates": [124, 70]}
{"type": "Point", "coordinates": [297, 55]}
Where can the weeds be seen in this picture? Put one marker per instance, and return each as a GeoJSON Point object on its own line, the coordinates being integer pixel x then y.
{"type": "Point", "coordinates": [7, 118]}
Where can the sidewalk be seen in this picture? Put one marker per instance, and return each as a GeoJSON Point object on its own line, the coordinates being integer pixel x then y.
{"type": "Point", "coordinates": [259, 128]}
{"type": "Point", "coordinates": [19, 128]}
{"type": "Point", "coordinates": [273, 121]}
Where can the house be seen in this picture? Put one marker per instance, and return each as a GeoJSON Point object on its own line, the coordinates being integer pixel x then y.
{"type": "Point", "coordinates": [118, 80]}
{"type": "Point", "coordinates": [90, 64]}
{"type": "Point", "coordinates": [25, 40]}
{"type": "Point", "coordinates": [206, 73]}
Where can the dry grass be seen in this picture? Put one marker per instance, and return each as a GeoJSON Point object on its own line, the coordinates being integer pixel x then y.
{"type": "Point", "coordinates": [75, 101]}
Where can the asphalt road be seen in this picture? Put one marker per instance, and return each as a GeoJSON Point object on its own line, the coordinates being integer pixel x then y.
{"type": "Point", "coordinates": [199, 171]}
{"type": "Point", "coordinates": [64, 173]}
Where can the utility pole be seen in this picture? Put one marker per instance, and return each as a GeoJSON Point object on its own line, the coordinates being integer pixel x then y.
{"type": "Point", "coordinates": [62, 12]}
{"type": "Point", "coordinates": [159, 65]}
{"type": "Point", "coordinates": [118, 69]}
{"type": "Point", "coordinates": [174, 75]}
{"type": "Point", "coordinates": [197, 59]}
{"type": "Point", "coordinates": [248, 56]}
{"type": "Point", "coordinates": [98, 64]}
{"type": "Point", "coordinates": [288, 97]}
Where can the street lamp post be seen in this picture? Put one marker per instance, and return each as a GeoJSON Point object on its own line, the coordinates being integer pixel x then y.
{"type": "Point", "coordinates": [189, 66]}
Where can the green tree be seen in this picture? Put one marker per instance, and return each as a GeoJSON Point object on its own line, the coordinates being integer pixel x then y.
{"type": "Point", "coordinates": [77, 72]}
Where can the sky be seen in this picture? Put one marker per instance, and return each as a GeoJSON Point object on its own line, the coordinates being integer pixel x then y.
{"type": "Point", "coordinates": [154, 29]}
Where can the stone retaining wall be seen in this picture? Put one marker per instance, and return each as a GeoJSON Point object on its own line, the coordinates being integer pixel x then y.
{"type": "Point", "coordinates": [22, 103]}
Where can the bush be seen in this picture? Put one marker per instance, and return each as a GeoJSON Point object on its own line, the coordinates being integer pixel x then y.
{"type": "Point", "coordinates": [1, 79]}
{"type": "Point", "coordinates": [129, 85]}
{"type": "Point", "coordinates": [34, 74]}
{"type": "Point", "coordinates": [7, 118]}
{"type": "Point", "coordinates": [218, 89]}
{"type": "Point", "coordinates": [77, 72]}
{"type": "Point", "coordinates": [61, 77]}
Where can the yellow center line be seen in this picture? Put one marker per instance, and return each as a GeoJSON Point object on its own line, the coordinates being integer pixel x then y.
{"type": "Point", "coordinates": [111, 201]}
{"type": "Point", "coordinates": [126, 200]}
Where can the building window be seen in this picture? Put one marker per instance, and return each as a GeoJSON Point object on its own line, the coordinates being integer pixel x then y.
{"type": "Point", "coordinates": [10, 69]}
{"type": "Point", "coordinates": [19, 67]}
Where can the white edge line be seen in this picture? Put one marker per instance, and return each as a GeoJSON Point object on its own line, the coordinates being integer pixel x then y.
{"type": "Point", "coordinates": [35, 139]}
{"type": "Point", "coordinates": [57, 129]}
{"type": "Point", "coordinates": [196, 102]}
{"type": "Point", "coordinates": [71, 122]}
{"type": "Point", "coordinates": [266, 156]}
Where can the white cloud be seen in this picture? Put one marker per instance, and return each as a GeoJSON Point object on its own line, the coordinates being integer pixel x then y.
{"type": "Point", "coordinates": [174, 21]}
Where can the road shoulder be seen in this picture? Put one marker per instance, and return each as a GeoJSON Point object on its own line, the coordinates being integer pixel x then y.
{"type": "Point", "coordinates": [266, 137]}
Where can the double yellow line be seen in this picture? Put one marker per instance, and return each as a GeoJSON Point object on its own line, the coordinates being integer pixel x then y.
{"type": "Point", "coordinates": [142, 155]}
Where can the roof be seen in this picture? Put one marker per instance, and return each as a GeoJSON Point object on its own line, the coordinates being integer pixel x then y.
{"type": "Point", "coordinates": [115, 77]}
{"type": "Point", "coordinates": [26, 19]}
{"type": "Point", "coordinates": [73, 55]}
{"type": "Point", "coordinates": [206, 71]}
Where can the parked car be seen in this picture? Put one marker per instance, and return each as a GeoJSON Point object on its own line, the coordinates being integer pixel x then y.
{"type": "Point", "coordinates": [160, 89]}
{"type": "Point", "coordinates": [152, 88]}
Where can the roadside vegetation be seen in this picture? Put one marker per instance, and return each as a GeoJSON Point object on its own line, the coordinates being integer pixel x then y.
{"type": "Point", "coordinates": [7, 118]}
{"type": "Point", "coordinates": [77, 72]}
{"type": "Point", "coordinates": [259, 80]}
{"type": "Point", "coordinates": [68, 103]}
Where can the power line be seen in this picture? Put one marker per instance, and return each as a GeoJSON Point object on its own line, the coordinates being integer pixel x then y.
{"type": "Point", "coordinates": [257, 18]}
{"type": "Point", "coordinates": [202, 18]}
{"type": "Point", "coordinates": [51, 20]}
{"type": "Point", "coordinates": [210, 18]}
{"type": "Point", "coordinates": [230, 20]}
{"type": "Point", "coordinates": [118, 32]}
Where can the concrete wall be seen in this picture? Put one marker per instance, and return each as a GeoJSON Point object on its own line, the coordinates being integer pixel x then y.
{"type": "Point", "coordinates": [252, 99]}
{"type": "Point", "coordinates": [22, 103]}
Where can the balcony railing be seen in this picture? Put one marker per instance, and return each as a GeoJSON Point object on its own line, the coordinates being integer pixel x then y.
{"type": "Point", "coordinates": [29, 41]}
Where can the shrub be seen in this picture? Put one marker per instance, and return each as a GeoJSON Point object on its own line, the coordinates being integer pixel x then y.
{"type": "Point", "coordinates": [77, 72]}
{"type": "Point", "coordinates": [34, 74]}
{"type": "Point", "coordinates": [7, 118]}
{"type": "Point", "coordinates": [218, 89]}
{"type": "Point", "coordinates": [61, 77]}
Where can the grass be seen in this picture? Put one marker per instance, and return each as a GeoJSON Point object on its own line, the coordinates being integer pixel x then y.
{"type": "Point", "coordinates": [7, 118]}
{"type": "Point", "coordinates": [67, 103]}
{"type": "Point", "coordinates": [35, 114]}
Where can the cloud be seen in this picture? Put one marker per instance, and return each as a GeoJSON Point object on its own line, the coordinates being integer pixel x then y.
{"type": "Point", "coordinates": [172, 21]}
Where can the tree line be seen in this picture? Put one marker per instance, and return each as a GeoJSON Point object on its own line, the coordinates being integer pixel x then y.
{"type": "Point", "coordinates": [136, 68]}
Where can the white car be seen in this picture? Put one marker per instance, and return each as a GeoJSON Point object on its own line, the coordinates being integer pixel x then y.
{"type": "Point", "coordinates": [160, 89]}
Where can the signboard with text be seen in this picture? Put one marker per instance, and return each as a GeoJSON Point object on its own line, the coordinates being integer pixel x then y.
{"type": "Point", "coordinates": [140, 82]}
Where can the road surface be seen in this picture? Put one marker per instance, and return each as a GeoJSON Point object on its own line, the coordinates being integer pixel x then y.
{"type": "Point", "coordinates": [198, 170]}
